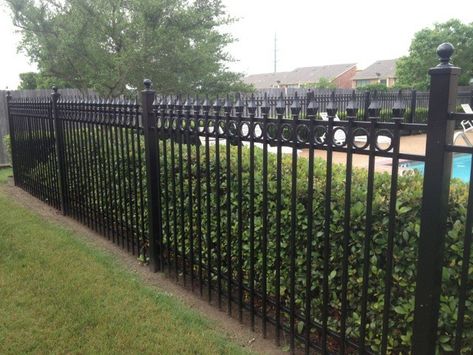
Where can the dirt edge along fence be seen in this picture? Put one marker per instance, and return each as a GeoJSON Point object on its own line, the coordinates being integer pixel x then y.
{"type": "Point", "coordinates": [333, 258]}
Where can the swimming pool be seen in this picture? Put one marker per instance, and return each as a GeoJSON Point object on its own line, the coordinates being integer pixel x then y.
{"type": "Point", "coordinates": [460, 169]}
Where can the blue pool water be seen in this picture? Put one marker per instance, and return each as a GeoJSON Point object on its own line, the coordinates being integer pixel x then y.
{"type": "Point", "coordinates": [460, 169]}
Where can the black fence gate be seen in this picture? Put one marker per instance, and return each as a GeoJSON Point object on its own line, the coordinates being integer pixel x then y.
{"type": "Point", "coordinates": [232, 199]}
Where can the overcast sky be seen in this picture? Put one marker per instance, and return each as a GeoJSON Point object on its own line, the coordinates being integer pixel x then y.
{"type": "Point", "coordinates": [309, 32]}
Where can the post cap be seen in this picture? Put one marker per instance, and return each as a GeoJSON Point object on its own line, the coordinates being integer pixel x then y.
{"type": "Point", "coordinates": [147, 83]}
{"type": "Point", "coordinates": [445, 51]}
{"type": "Point", "coordinates": [54, 89]}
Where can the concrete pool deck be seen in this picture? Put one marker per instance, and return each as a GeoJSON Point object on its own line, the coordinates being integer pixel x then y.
{"type": "Point", "coordinates": [414, 144]}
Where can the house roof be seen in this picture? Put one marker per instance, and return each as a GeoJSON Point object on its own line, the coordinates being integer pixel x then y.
{"type": "Point", "coordinates": [381, 69]}
{"type": "Point", "coordinates": [298, 76]}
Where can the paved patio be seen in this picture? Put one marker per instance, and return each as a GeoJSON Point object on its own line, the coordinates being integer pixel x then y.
{"type": "Point", "coordinates": [414, 144]}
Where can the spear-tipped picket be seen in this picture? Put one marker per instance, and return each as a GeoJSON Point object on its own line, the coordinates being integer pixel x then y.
{"type": "Point", "coordinates": [178, 104]}
{"type": "Point", "coordinates": [188, 104]}
{"type": "Point", "coordinates": [399, 107]}
{"type": "Point", "coordinates": [312, 107]}
{"type": "Point", "coordinates": [374, 109]}
{"type": "Point", "coordinates": [352, 107]}
{"type": "Point", "coordinates": [265, 106]}
{"type": "Point", "coordinates": [280, 105]}
{"type": "Point", "coordinates": [239, 106]}
{"type": "Point", "coordinates": [206, 105]}
{"type": "Point", "coordinates": [331, 106]}
{"type": "Point", "coordinates": [170, 103]}
{"type": "Point", "coordinates": [251, 106]}
{"type": "Point", "coordinates": [217, 106]}
{"type": "Point", "coordinates": [296, 105]}
{"type": "Point", "coordinates": [227, 105]}
{"type": "Point", "coordinates": [163, 103]}
{"type": "Point", "coordinates": [196, 105]}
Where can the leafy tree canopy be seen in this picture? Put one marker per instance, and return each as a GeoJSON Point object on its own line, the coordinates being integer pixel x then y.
{"type": "Point", "coordinates": [32, 80]}
{"type": "Point", "coordinates": [412, 69]}
{"type": "Point", "coordinates": [325, 83]}
{"type": "Point", "coordinates": [110, 46]}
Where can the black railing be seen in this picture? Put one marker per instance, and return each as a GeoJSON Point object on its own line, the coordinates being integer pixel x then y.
{"type": "Point", "coordinates": [231, 198]}
{"type": "Point", "coordinates": [416, 103]}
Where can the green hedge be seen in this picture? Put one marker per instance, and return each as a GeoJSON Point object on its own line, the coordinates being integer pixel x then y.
{"type": "Point", "coordinates": [405, 241]}
{"type": "Point", "coordinates": [405, 244]}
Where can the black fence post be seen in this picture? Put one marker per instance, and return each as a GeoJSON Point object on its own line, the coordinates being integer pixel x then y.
{"type": "Point", "coordinates": [367, 105]}
{"type": "Point", "coordinates": [152, 176]}
{"type": "Point", "coordinates": [60, 153]}
{"type": "Point", "coordinates": [471, 98]}
{"type": "Point", "coordinates": [438, 164]}
{"type": "Point", "coordinates": [12, 139]}
{"type": "Point", "coordinates": [412, 113]}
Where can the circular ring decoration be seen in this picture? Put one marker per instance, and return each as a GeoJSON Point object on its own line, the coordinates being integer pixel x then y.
{"type": "Point", "coordinates": [339, 137]}
{"type": "Point", "coordinates": [365, 138]}
{"type": "Point", "coordinates": [174, 123]}
{"type": "Point", "coordinates": [302, 133]}
{"type": "Point", "coordinates": [271, 131]}
{"type": "Point", "coordinates": [200, 125]}
{"type": "Point", "coordinates": [193, 125]}
{"type": "Point", "coordinates": [210, 127]}
{"type": "Point", "coordinates": [159, 123]}
{"type": "Point", "coordinates": [385, 133]}
{"type": "Point", "coordinates": [257, 130]}
{"type": "Point", "coordinates": [286, 132]}
{"type": "Point", "coordinates": [222, 127]}
{"type": "Point", "coordinates": [182, 124]}
{"type": "Point", "coordinates": [244, 129]}
{"type": "Point", "coordinates": [319, 135]}
{"type": "Point", "coordinates": [233, 129]}
{"type": "Point", "coordinates": [166, 123]}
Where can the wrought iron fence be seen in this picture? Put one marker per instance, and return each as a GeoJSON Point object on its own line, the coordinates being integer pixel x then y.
{"type": "Point", "coordinates": [416, 102]}
{"type": "Point", "coordinates": [230, 198]}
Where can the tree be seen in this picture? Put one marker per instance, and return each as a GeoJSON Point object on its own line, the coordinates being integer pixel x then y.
{"type": "Point", "coordinates": [411, 70]}
{"type": "Point", "coordinates": [325, 83]}
{"type": "Point", "coordinates": [28, 81]}
{"type": "Point", "coordinates": [32, 80]}
{"type": "Point", "coordinates": [112, 45]}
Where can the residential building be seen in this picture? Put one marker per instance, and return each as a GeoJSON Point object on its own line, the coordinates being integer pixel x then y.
{"type": "Point", "coordinates": [380, 72]}
{"type": "Point", "coordinates": [341, 75]}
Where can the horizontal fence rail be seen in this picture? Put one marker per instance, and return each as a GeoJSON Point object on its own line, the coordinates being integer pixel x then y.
{"type": "Point", "coordinates": [240, 200]}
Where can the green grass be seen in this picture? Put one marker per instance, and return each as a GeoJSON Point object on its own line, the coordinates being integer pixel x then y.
{"type": "Point", "coordinates": [60, 295]}
{"type": "Point", "coordinates": [4, 174]}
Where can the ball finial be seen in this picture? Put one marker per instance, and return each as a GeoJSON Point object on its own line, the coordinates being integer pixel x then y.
{"type": "Point", "coordinates": [147, 83]}
{"type": "Point", "coordinates": [445, 51]}
{"type": "Point", "coordinates": [54, 88]}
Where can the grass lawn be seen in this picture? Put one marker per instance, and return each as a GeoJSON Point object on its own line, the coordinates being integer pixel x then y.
{"type": "Point", "coordinates": [59, 295]}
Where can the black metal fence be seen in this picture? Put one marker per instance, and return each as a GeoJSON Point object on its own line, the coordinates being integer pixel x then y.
{"type": "Point", "coordinates": [231, 199]}
{"type": "Point", "coordinates": [415, 102]}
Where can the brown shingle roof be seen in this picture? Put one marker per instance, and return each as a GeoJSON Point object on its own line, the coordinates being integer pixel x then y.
{"type": "Point", "coordinates": [298, 76]}
{"type": "Point", "coordinates": [382, 69]}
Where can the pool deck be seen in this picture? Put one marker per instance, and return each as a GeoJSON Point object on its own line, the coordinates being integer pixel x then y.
{"type": "Point", "coordinates": [414, 144]}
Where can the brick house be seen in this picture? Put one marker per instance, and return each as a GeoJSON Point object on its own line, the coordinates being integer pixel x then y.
{"type": "Point", "coordinates": [380, 72]}
{"type": "Point", "coordinates": [341, 75]}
